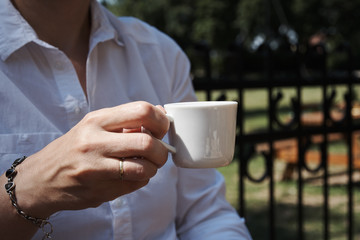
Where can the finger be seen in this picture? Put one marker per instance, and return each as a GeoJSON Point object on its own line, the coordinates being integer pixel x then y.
{"type": "Point", "coordinates": [138, 169]}
{"type": "Point", "coordinates": [127, 145]}
{"type": "Point", "coordinates": [127, 169]}
{"type": "Point", "coordinates": [161, 108]}
{"type": "Point", "coordinates": [132, 130]}
{"type": "Point", "coordinates": [137, 173]}
{"type": "Point", "coordinates": [133, 115]}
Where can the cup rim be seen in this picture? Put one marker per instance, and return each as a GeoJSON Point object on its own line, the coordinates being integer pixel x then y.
{"type": "Point", "coordinates": [201, 104]}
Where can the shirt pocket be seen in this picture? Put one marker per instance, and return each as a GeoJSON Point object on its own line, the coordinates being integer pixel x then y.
{"type": "Point", "coordinates": [13, 146]}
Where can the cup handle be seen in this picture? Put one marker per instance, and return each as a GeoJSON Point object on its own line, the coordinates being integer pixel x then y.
{"type": "Point", "coordinates": [171, 119]}
{"type": "Point", "coordinates": [170, 148]}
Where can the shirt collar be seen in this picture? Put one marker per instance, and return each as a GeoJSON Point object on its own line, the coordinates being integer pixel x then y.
{"type": "Point", "coordinates": [101, 27]}
{"type": "Point", "coordinates": [15, 32]}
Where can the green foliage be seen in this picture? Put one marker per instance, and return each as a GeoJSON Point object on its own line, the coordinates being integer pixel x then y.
{"type": "Point", "coordinates": [247, 21]}
{"type": "Point", "coordinates": [220, 23]}
{"type": "Point", "coordinates": [186, 21]}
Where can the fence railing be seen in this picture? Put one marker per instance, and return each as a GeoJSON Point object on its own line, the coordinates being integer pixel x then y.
{"type": "Point", "coordinates": [290, 138]}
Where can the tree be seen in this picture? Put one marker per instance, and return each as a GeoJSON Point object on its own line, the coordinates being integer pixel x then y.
{"type": "Point", "coordinates": [187, 21]}
{"type": "Point", "coordinates": [220, 23]}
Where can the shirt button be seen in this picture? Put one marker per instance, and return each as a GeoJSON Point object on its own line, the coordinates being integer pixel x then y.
{"type": "Point", "coordinates": [77, 110]}
{"type": "Point", "coordinates": [24, 137]}
{"type": "Point", "coordinates": [119, 202]}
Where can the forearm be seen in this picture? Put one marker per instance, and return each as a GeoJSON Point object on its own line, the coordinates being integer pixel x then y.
{"type": "Point", "coordinates": [12, 225]}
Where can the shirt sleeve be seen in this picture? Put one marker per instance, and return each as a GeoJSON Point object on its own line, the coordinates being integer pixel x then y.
{"type": "Point", "coordinates": [178, 69]}
{"type": "Point", "coordinates": [202, 210]}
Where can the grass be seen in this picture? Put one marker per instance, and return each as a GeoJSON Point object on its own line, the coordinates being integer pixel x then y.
{"type": "Point", "coordinates": [286, 192]}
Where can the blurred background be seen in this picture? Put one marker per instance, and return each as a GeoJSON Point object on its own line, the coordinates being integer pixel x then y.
{"type": "Point", "coordinates": [294, 68]}
{"type": "Point", "coordinates": [252, 23]}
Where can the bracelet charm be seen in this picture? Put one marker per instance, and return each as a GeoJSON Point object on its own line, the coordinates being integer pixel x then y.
{"type": "Point", "coordinates": [10, 189]}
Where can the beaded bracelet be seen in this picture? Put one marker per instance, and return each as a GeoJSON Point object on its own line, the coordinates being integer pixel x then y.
{"type": "Point", "coordinates": [44, 224]}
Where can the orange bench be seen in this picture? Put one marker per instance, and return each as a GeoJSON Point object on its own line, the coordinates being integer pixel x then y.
{"type": "Point", "coordinates": [287, 150]}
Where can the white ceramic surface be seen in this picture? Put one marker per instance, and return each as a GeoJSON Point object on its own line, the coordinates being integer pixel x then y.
{"type": "Point", "coordinates": [203, 133]}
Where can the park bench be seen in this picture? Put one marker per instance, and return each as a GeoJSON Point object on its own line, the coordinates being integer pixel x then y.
{"type": "Point", "coordinates": [286, 150]}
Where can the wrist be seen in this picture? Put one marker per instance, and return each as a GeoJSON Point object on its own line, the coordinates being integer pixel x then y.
{"type": "Point", "coordinates": [10, 188]}
{"type": "Point", "coordinates": [31, 190]}
{"type": "Point", "coordinates": [11, 221]}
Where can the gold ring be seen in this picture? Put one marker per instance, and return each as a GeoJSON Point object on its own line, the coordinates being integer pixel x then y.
{"type": "Point", "coordinates": [121, 169]}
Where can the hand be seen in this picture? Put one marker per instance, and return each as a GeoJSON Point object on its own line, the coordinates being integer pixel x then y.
{"type": "Point", "coordinates": [81, 169]}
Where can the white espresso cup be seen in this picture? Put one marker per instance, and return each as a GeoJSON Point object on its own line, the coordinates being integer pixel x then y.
{"type": "Point", "coordinates": [202, 134]}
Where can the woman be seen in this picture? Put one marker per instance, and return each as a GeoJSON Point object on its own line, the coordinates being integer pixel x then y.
{"type": "Point", "coordinates": [77, 86]}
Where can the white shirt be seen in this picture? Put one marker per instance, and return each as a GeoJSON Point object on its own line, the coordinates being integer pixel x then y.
{"type": "Point", "coordinates": [41, 99]}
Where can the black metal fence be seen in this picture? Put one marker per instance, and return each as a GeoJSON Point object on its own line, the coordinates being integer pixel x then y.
{"type": "Point", "coordinates": [290, 138]}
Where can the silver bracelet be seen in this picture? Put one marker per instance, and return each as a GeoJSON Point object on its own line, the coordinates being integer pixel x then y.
{"type": "Point", "coordinates": [44, 224]}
